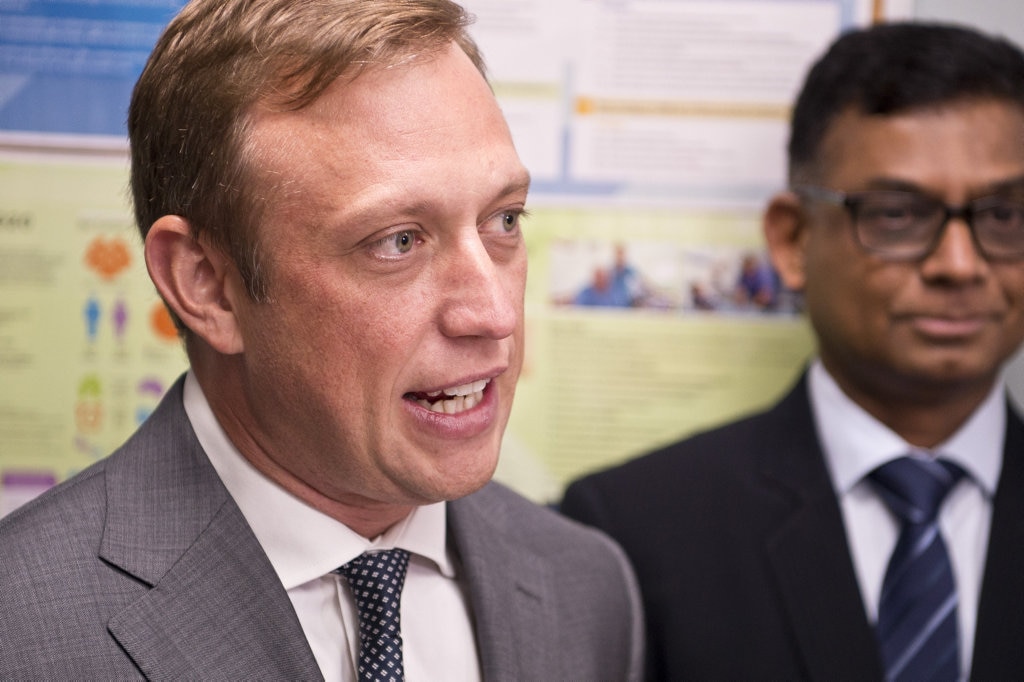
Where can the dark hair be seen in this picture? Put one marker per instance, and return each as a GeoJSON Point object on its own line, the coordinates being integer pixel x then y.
{"type": "Point", "coordinates": [189, 115]}
{"type": "Point", "coordinates": [894, 68]}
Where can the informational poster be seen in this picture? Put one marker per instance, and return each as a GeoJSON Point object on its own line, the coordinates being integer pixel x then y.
{"type": "Point", "coordinates": [67, 67]}
{"type": "Point", "coordinates": [654, 131]}
{"type": "Point", "coordinates": [672, 99]}
{"type": "Point", "coordinates": [86, 347]}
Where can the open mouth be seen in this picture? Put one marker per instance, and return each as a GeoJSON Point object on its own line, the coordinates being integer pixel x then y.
{"type": "Point", "coordinates": [451, 400]}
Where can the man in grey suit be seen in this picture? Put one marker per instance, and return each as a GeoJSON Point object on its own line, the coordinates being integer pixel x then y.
{"type": "Point", "coordinates": [330, 202]}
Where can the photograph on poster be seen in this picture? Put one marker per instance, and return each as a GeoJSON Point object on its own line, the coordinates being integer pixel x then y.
{"type": "Point", "coordinates": [638, 275]}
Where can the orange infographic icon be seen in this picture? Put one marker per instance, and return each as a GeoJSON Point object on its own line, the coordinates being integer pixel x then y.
{"type": "Point", "coordinates": [108, 258]}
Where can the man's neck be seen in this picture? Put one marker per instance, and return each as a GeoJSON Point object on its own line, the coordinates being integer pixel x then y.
{"type": "Point", "coordinates": [923, 415]}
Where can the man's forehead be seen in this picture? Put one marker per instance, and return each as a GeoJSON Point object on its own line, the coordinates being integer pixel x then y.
{"type": "Point", "coordinates": [985, 130]}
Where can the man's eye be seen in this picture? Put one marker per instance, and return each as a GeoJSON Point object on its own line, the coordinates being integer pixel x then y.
{"type": "Point", "coordinates": [403, 241]}
{"type": "Point", "coordinates": [505, 222]}
{"type": "Point", "coordinates": [896, 214]}
{"type": "Point", "coordinates": [509, 221]}
{"type": "Point", "coordinates": [1005, 214]}
{"type": "Point", "coordinates": [395, 244]}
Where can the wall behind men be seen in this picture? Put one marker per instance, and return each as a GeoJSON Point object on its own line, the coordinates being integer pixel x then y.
{"type": "Point", "coordinates": [995, 16]}
{"type": "Point", "coordinates": [654, 132]}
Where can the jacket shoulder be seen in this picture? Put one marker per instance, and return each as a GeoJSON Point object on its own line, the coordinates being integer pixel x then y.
{"type": "Point", "coordinates": [56, 521]}
{"type": "Point", "coordinates": [571, 571]}
{"type": "Point", "coordinates": [535, 526]}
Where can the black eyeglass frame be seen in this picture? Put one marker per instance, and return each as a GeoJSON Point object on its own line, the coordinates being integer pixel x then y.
{"type": "Point", "coordinates": [852, 201]}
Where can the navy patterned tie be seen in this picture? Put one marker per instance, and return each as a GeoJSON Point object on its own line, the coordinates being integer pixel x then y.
{"type": "Point", "coordinates": [917, 620]}
{"type": "Point", "coordinates": [376, 579]}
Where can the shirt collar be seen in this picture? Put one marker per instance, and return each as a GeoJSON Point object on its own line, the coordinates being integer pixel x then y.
{"type": "Point", "coordinates": [301, 542]}
{"type": "Point", "coordinates": [855, 443]}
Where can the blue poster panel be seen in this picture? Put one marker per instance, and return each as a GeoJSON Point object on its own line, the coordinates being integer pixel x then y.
{"type": "Point", "coordinates": [68, 67]}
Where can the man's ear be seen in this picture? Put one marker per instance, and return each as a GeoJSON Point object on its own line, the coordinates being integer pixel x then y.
{"type": "Point", "coordinates": [193, 279]}
{"type": "Point", "coordinates": [785, 231]}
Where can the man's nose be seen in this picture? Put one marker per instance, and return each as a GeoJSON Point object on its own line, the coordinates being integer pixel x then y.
{"type": "Point", "coordinates": [956, 257]}
{"type": "Point", "coordinates": [482, 297]}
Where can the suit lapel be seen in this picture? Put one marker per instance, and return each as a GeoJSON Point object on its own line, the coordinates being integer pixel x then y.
{"type": "Point", "coordinates": [809, 554]}
{"type": "Point", "coordinates": [998, 653]}
{"type": "Point", "coordinates": [217, 612]}
{"type": "Point", "coordinates": [215, 608]}
{"type": "Point", "coordinates": [508, 588]}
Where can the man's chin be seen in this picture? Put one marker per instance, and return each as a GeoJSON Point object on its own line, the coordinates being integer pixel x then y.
{"type": "Point", "coordinates": [454, 486]}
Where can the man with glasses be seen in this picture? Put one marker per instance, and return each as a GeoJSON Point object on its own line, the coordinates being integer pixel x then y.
{"type": "Point", "coordinates": [871, 524]}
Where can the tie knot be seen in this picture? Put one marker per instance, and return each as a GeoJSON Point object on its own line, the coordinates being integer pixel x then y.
{"type": "Point", "coordinates": [914, 488]}
{"type": "Point", "coordinates": [377, 573]}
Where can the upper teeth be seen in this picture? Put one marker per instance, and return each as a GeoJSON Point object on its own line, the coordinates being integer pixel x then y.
{"type": "Point", "coordinates": [466, 389]}
{"type": "Point", "coordinates": [458, 398]}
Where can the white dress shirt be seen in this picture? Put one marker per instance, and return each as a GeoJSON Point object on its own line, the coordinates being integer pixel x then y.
{"type": "Point", "coordinates": [305, 546]}
{"type": "Point", "coordinates": [855, 443]}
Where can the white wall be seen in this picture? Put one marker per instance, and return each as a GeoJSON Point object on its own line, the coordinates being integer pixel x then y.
{"type": "Point", "coordinates": [1002, 17]}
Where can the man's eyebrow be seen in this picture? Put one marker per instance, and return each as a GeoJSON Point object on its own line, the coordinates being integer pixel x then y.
{"type": "Point", "coordinates": [1014, 184]}
{"type": "Point", "coordinates": [369, 208]}
{"type": "Point", "coordinates": [895, 184]}
{"type": "Point", "coordinates": [518, 185]}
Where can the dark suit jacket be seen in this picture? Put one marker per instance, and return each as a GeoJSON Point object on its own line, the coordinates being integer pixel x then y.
{"type": "Point", "coordinates": [143, 566]}
{"type": "Point", "coordinates": [738, 543]}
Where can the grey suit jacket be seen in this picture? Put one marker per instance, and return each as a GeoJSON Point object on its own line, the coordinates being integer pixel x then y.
{"type": "Point", "coordinates": [143, 566]}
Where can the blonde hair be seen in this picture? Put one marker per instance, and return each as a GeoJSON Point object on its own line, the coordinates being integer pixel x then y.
{"type": "Point", "coordinates": [187, 122]}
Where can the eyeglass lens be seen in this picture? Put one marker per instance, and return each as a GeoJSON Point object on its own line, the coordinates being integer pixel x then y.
{"type": "Point", "coordinates": [908, 225]}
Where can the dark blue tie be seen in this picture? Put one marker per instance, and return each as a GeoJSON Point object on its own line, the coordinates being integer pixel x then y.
{"type": "Point", "coordinates": [376, 579]}
{"type": "Point", "coordinates": [917, 620]}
